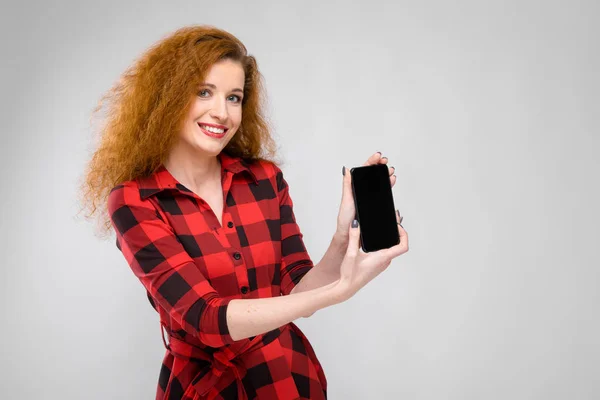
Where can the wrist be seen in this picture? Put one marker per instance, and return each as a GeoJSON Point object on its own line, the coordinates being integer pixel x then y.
{"type": "Point", "coordinates": [340, 291]}
{"type": "Point", "coordinates": [322, 297]}
{"type": "Point", "coordinates": [340, 240]}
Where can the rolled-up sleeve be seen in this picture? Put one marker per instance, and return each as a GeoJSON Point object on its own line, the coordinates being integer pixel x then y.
{"type": "Point", "coordinates": [295, 260]}
{"type": "Point", "coordinates": [165, 269]}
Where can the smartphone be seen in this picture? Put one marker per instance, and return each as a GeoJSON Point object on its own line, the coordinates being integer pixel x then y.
{"type": "Point", "coordinates": [375, 209]}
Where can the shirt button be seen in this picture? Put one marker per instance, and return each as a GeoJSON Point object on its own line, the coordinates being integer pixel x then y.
{"type": "Point", "coordinates": [230, 224]}
{"type": "Point", "coordinates": [237, 255]}
{"type": "Point", "coordinates": [244, 289]}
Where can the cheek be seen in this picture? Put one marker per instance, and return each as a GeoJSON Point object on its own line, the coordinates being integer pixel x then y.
{"type": "Point", "coordinates": [192, 127]}
{"type": "Point", "coordinates": [236, 116]}
{"type": "Point", "coordinates": [190, 133]}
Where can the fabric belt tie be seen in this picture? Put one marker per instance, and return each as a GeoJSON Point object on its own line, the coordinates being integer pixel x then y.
{"type": "Point", "coordinates": [219, 362]}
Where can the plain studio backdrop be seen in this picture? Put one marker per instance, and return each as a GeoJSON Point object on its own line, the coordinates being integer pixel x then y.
{"type": "Point", "coordinates": [489, 112]}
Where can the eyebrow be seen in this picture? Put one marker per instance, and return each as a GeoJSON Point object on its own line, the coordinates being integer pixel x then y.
{"type": "Point", "coordinates": [210, 85]}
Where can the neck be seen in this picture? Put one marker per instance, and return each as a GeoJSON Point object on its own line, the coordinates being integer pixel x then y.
{"type": "Point", "coordinates": [193, 169]}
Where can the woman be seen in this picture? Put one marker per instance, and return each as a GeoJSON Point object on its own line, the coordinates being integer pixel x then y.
{"type": "Point", "coordinates": [204, 218]}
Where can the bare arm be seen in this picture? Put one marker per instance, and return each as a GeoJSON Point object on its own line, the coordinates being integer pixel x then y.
{"type": "Point", "coordinates": [251, 317]}
{"type": "Point", "coordinates": [327, 270]}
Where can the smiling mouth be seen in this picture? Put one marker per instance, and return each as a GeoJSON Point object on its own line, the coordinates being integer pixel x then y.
{"type": "Point", "coordinates": [212, 131]}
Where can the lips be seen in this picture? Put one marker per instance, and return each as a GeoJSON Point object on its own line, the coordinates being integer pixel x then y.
{"type": "Point", "coordinates": [216, 134]}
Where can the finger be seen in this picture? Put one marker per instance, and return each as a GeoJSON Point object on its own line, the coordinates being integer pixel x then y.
{"type": "Point", "coordinates": [374, 159]}
{"type": "Point", "coordinates": [347, 184]}
{"type": "Point", "coordinates": [403, 238]}
{"type": "Point", "coordinates": [383, 160]}
{"type": "Point", "coordinates": [353, 242]}
{"type": "Point", "coordinates": [393, 179]}
{"type": "Point", "coordinates": [399, 219]}
{"type": "Point", "coordinates": [401, 247]}
{"type": "Point", "coordinates": [380, 257]}
{"type": "Point", "coordinates": [391, 170]}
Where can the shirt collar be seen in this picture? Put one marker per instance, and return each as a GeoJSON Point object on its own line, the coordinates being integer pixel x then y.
{"type": "Point", "coordinates": [162, 179]}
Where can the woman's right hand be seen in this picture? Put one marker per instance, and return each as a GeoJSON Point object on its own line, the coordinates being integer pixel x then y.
{"type": "Point", "coordinates": [359, 268]}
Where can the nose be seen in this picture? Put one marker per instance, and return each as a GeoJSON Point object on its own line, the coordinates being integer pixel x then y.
{"type": "Point", "coordinates": [219, 109]}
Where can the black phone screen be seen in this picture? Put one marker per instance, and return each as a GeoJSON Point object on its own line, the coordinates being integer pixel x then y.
{"type": "Point", "coordinates": [375, 209]}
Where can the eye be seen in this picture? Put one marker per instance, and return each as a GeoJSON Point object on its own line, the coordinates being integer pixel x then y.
{"type": "Point", "coordinates": [201, 93]}
{"type": "Point", "coordinates": [237, 99]}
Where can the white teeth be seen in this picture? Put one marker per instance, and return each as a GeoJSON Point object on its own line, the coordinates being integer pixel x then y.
{"type": "Point", "coordinates": [213, 130]}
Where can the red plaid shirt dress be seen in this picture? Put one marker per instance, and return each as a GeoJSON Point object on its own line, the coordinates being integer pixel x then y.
{"type": "Point", "coordinates": [192, 267]}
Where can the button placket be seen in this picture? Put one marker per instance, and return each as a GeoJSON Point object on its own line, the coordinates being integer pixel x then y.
{"type": "Point", "coordinates": [241, 272]}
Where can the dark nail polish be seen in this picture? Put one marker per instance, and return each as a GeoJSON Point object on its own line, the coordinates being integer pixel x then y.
{"type": "Point", "coordinates": [379, 152]}
{"type": "Point", "coordinates": [344, 171]}
{"type": "Point", "coordinates": [384, 157]}
{"type": "Point", "coordinates": [355, 224]}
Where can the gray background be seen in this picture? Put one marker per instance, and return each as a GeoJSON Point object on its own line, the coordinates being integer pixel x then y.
{"type": "Point", "coordinates": [488, 110]}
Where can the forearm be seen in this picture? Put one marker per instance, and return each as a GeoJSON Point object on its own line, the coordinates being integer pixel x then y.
{"type": "Point", "coordinates": [252, 317]}
{"type": "Point", "coordinates": [325, 271]}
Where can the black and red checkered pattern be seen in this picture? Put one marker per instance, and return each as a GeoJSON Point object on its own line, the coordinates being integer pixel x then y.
{"type": "Point", "coordinates": [192, 267]}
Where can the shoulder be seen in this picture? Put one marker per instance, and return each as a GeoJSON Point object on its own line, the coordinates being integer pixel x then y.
{"type": "Point", "coordinates": [127, 209]}
{"type": "Point", "coordinates": [268, 170]}
{"type": "Point", "coordinates": [126, 194]}
{"type": "Point", "coordinates": [263, 169]}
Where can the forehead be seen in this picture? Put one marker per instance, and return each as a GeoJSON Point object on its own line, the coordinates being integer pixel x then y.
{"type": "Point", "coordinates": [225, 74]}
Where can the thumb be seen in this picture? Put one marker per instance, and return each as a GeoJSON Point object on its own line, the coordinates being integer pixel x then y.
{"type": "Point", "coordinates": [353, 240]}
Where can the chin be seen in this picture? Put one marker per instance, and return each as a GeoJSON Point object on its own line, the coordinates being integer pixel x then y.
{"type": "Point", "coordinates": [212, 148]}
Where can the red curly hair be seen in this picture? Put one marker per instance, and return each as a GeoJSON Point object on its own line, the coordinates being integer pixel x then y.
{"type": "Point", "coordinates": [147, 108]}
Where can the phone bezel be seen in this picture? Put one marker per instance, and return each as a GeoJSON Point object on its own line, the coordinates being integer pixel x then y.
{"type": "Point", "coordinates": [352, 170]}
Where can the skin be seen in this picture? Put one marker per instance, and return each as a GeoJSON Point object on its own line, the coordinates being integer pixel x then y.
{"type": "Point", "coordinates": [193, 161]}
{"type": "Point", "coordinates": [329, 266]}
{"type": "Point", "coordinates": [343, 270]}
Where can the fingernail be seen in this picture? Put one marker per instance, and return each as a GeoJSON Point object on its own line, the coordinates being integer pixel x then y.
{"type": "Point", "coordinates": [401, 218]}
{"type": "Point", "coordinates": [355, 223]}
{"type": "Point", "coordinates": [398, 212]}
{"type": "Point", "coordinates": [379, 152]}
{"type": "Point", "coordinates": [344, 171]}
{"type": "Point", "coordinates": [384, 157]}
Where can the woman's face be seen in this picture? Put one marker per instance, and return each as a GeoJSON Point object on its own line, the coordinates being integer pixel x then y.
{"type": "Point", "coordinates": [216, 111]}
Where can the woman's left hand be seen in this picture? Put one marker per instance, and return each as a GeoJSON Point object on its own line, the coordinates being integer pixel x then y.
{"type": "Point", "coordinates": [347, 210]}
